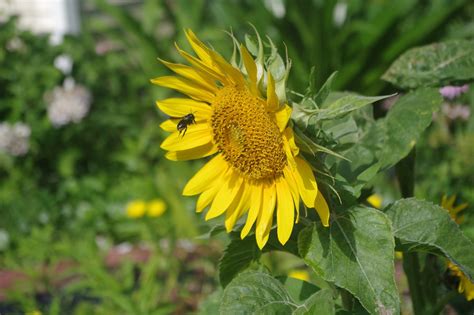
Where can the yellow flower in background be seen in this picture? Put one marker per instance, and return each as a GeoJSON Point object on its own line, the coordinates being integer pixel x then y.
{"type": "Point", "coordinates": [375, 200]}
{"type": "Point", "coordinates": [35, 312]}
{"type": "Point", "coordinates": [448, 204]}
{"type": "Point", "coordinates": [136, 209]}
{"type": "Point", "coordinates": [256, 169]}
{"type": "Point", "coordinates": [156, 208]}
{"type": "Point", "coordinates": [465, 285]}
{"type": "Point", "coordinates": [299, 274]}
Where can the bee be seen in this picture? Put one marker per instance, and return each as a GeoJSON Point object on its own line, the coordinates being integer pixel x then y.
{"type": "Point", "coordinates": [185, 121]}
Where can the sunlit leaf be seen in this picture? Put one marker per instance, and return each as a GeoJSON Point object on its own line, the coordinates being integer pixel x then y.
{"type": "Point", "coordinates": [433, 65]}
{"type": "Point", "coordinates": [257, 292]}
{"type": "Point", "coordinates": [238, 255]}
{"type": "Point", "coordinates": [355, 253]}
{"type": "Point", "coordinates": [406, 121]}
{"type": "Point", "coordinates": [429, 227]}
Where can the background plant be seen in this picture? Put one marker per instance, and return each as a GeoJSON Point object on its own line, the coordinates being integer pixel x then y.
{"type": "Point", "coordinates": [75, 181]}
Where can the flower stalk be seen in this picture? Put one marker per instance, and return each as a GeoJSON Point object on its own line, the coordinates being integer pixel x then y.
{"type": "Point", "coordinates": [405, 171]}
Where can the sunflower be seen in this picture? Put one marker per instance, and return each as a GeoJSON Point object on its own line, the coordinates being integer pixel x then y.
{"type": "Point", "coordinates": [240, 117]}
{"type": "Point", "coordinates": [448, 204]}
{"type": "Point", "coordinates": [465, 286]}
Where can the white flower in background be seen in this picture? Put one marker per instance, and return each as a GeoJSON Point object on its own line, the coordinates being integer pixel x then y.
{"type": "Point", "coordinates": [15, 44]}
{"type": "Point", "coordinates": [14, 139]}
{"type": "Point", "coordinates": [63, 63]}
{"type": "Point", "coordinates": [69, 103]}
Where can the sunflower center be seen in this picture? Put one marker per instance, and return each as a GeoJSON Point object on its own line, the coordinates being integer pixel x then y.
{"type": "Point", "coordinates": [247, 134]}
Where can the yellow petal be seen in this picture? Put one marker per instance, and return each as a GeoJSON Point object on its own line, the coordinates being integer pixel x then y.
{"type": "Point", "coordinates": [272, 98]}
{"type": "Point", "coordinates": [306, 182]}
{"type": "Point", "coordinates": [285, 211]}
{"type": "Point", "coordinates": [231, 73]}
{"type": "Point", "coordinates": [460, 207]}
{"type": "Point", "coordinates": [450, 202]}
{"type": "Point", "coordinates": [198, 64]}
{"type": "Point", "coordinates": [192, 154]}
{"type": "Point", "coordinates": [290, 137]}
{"type": "Point", "coordinates": [168, 125]}
{"type": "Point", "coordinates": [322, 208]}
{"type": "Point", "coordinates": [261, 241]}
{"type": "Point", "coordinates": [255, 206]}
{"type": "Point", "coordinates": [204, 178]}
{"type": "Point", "coordinates": [214, 60]}
{"type": "Point", "coordinates": [206, 197]}
{"type": "Point", "coordinates": [198, 77]}
{"type": "Point", "coordinates": [251, 69]}
{"type": "Point", "coordinates": [282, 116]}
{"type": "Point", "coordinates": [185, 86]}
{"type": "Point", "coordinates": [228, 191]}
{"type": "Point", "coordinates": [264, 220]}
{"type": "Point", "coordinates": [237, 209]}
{"type": "Point", "coordinates": [290, 180]}
{"type": "Point", "coordinates": [196, 135]}
{"type": "Point", "coordinates": [199, 48]}
{"type": "Point", "coordinates": [290, 153]}
{"type": "Point", "coordinates": [179, 107]}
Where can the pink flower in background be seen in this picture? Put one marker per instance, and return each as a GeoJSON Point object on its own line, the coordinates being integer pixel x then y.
{"type": "Point", "coordinates": [451, 91]}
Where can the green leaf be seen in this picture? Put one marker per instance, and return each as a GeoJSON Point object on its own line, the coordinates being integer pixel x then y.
{"type": "Point", "coordinates": [362, 162]}
{"type": "Point", "coordinates": [210, 306]}
{"type": "Point", "coordinates": [215, 230]}
{"type": "Point", "coordinates": [238, 255]}
{"type": "Point", "coordinates": [319, 303]}
{"type": "Point", "coordinates": [325, 90]}
{"type": "Point", "coordinates": [299, 290]}
{"type": "Point", "coordinates": [405, 122]}
{"type": "Point", "coordinates": [356, 253]}
{"type": "Point", "coordinates": [425, 225]}
{"type": "Point", "coordinates": [347, 104]}
{"type": "Point", "coordinates": [256, 293]}
{"type": "Point", "coordinates": [382, 144]}
{"type": "Point", "coordinates": [433, 65]}
{"type": "Point", "coordinates": [305, 116]}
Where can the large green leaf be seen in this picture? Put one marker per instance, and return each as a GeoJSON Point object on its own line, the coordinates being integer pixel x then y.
{"type": "Point", "coordinates": [356, 253]}
{"type": "Point", "coordinates": [210, 306]}
{"type": "Point", "coordinates": [406, 121]}
{"type": "Point", "coordinates": [382, 144]}
{"type": "Point", "coordinates": [433, 65]}
{"type": "Point", "coordinates": [321, 302]}
{"type": "Point", "coordinates": [257, 292]}
{"type": "Point", "coordinates": [238, 255]}
{"type": "Point", "coordinates": [299, 290]}
{"type": "Point", "coordinates": [250, 292]}
{"type": "Point", "coordinates": [424, 225]}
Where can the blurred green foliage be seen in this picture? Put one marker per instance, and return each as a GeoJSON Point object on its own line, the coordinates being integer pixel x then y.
{"type": "Point", "coordinates": [75, 181]}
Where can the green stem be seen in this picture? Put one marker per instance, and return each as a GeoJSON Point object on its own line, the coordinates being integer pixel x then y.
{"type": "Point", "coordinates": [347, 299]}
{"type": "Point", "coordinates": [405, 170]}
{"type": "Point", "coordinates": [439, 306]}
{"type": "Point", "coordinates": [411, 265]}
